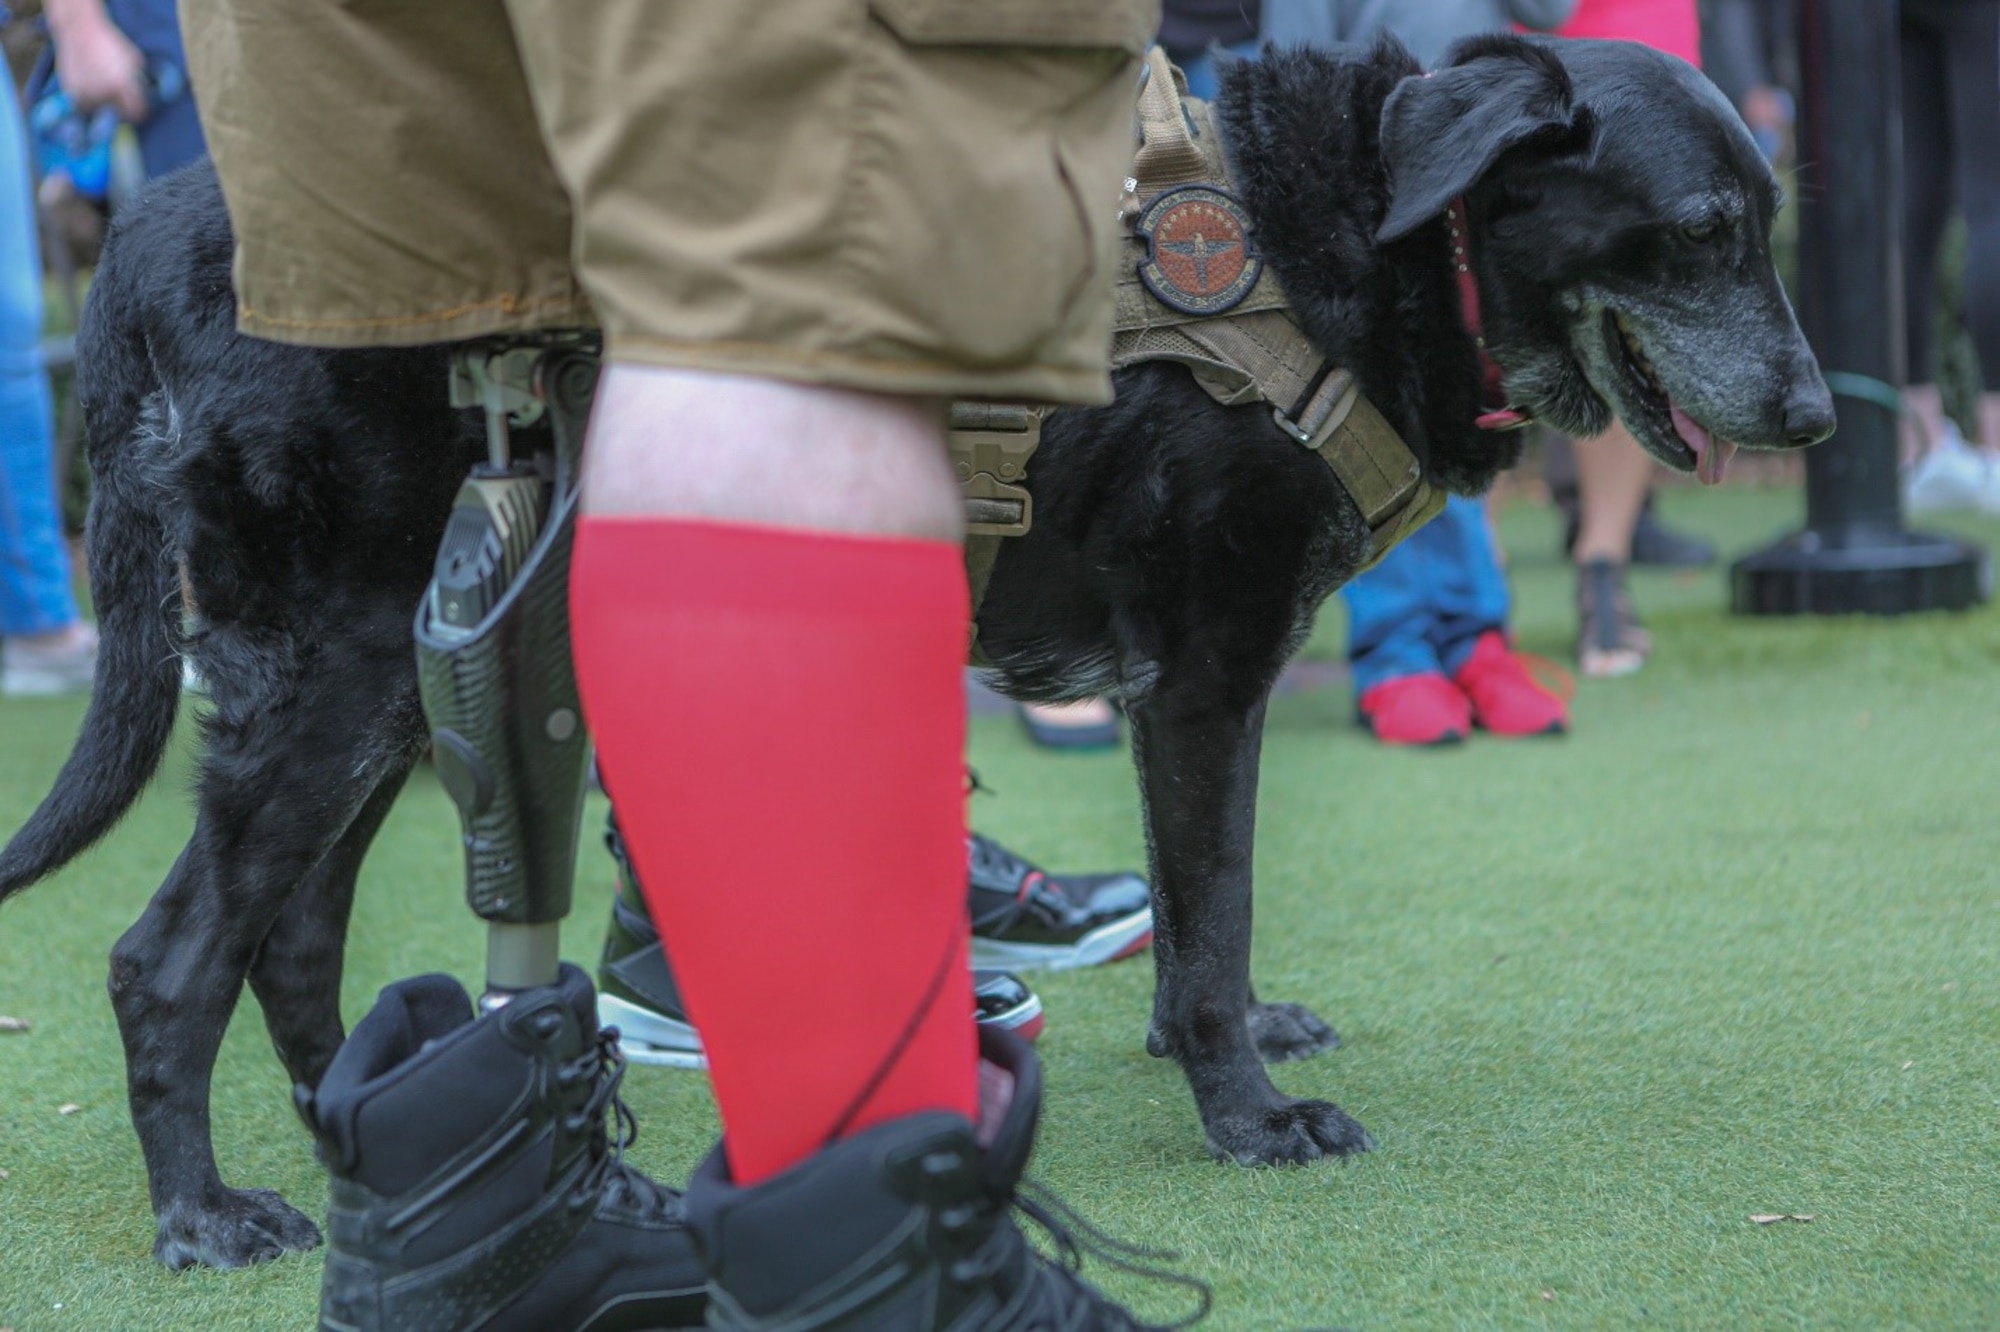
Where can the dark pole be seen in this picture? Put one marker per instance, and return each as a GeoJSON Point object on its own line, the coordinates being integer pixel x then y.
{"type": "Point", "coordinates": [1854, 554]}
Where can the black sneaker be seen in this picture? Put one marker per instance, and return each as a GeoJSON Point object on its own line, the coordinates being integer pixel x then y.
{"type": "Point", "coordinates": [1024, 917]}
{"type": "Point", "coordinates": [477, 1173]}
{"type": "Point", "coordinates": [1002, 1001]}
{"type": "Point", "coordinates": [909, 1227]}
{"type": "Point", "coordinates": [637, 993]}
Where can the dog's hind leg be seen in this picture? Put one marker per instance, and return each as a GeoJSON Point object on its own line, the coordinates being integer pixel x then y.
{"type": "Point", "coordinates": [265, 822]}
{"type": "Point", "coordinates": [296, 976]}
{"type": "Point", "coordinates": [1198, 756]}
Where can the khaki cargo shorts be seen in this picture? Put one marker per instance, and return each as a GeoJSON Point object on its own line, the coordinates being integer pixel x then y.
{"type": "Point", "coordinates": [905, 196]}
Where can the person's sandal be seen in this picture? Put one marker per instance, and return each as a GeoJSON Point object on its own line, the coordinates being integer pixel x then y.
{"type": "Point", "coordinates": [1610, 640]}
{"type": "Point", "coordinates": [1076, 728]}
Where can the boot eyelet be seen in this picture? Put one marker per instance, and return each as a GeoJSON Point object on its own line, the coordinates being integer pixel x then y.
{"type": "Point", "coordinates": [547, 1024]}
{"type": "Point", "coordinates": [939, 1165]}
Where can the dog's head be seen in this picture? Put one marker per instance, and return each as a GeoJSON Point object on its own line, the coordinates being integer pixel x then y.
{"type": "Point", "coordinates": [1621, 218]}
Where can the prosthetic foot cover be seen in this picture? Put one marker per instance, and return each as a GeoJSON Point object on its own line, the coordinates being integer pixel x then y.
{"type": "Point", "coordinates": [780, 717]}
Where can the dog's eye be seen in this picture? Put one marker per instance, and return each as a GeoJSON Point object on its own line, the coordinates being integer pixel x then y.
{"type": "Point", "coordinates": [1701, 233]}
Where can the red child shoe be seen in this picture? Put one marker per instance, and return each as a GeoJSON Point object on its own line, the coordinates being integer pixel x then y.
{"type": "Point", "coordinates": [1505, 698]}
{"type": "Point", "coordinates": [1416, 710]}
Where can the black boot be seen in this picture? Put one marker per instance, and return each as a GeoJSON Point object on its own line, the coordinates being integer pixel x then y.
{"type": "Point", "coordinates": [476, 1181]}
{"type": "Point", "coordinates": [905, 1227]}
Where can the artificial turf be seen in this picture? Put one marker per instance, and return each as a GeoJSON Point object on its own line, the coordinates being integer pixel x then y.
{"type": "Point", "coordinates": [1728, 949]}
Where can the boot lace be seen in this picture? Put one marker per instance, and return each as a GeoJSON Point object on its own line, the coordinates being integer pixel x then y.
{"type": "Point", "coordinates": [613, 1127]}
{"type": "Point", "coordinates": [989, 855]}
{"type": "Point", "coordinates": [1057, 1297]}
{"type": "Point", "coordinates": [996, 861]}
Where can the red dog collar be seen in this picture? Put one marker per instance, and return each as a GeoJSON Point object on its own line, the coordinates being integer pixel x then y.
{"type": "Point", "coordinates": [1495, 413]}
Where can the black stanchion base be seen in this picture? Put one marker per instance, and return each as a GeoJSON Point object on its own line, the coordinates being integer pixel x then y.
{"type": "Point", "coordinates": [1888, 573]}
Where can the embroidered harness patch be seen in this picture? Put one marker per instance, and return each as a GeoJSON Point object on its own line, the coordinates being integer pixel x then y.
{"type": "Point", "coordinates": [1199, 259]}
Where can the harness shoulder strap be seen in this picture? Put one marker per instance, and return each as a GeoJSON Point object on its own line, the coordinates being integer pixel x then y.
{"type": "Point", "coordinates": [1368, 458]}
{"type": "Point", "coordinates": [1253, 352]}
{"type": "Point", "coordinates": [1167, 155]}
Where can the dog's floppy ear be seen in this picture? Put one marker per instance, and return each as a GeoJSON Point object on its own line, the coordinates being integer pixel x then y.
{"type": "Point", "coordinates": [1440, 132]}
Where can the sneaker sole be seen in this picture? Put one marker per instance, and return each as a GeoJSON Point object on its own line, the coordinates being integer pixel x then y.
{"type": "Point", "coordinates": [1929, 502]}
{"type": "Point", "coordinates": [1107, 943]}
{"type": "Point", "coordinates": [645, 1037]}
{"type": "Point", "coordinates": [1024, 1019]}
{"type": "Point", "coordinates": [1947, 494]}
{"type": "Point", "coordinates": [1553, 728]}
{"type": "Point", "coordinates": [41, 684]}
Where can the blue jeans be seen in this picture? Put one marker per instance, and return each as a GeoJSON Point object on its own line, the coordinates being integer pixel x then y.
{"type": "Point", "coordinates": [1423, 608]}
{"type": "Point", "coordinates": [35, 595]}
{"type": "Point", "coordinates": [1200, 65]}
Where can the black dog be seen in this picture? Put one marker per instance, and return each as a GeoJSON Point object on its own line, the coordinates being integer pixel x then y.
{"type": "Point", "coordinates": [272, 512]}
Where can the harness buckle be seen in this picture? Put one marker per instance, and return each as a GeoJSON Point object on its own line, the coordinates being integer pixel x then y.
{"type": "Point", "coordinates": [1325, 409]}
{"type": "Point", "coordinates": [990, 445]}
{"type": "Point", "coordinates": [1291, 427]}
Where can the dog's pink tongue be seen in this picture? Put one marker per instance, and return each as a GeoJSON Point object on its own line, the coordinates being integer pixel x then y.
{"type": "Point", "coordinates": [1720, 451]}
{"type": "Point", "coordinates": [1711, 455]}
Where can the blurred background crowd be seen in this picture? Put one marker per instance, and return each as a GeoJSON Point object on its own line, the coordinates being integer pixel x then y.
{"type": "Point", "coordinates": [99, 103]}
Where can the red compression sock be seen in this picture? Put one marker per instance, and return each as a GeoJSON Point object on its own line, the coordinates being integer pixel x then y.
{"type": "Point", "coordinates": [782, 717]}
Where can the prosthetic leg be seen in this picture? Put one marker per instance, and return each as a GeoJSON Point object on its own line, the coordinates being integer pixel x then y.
{"type": "Point", "coordinates": [456, 1200]}
{"type": "Point", "coordinates": [493, 652]}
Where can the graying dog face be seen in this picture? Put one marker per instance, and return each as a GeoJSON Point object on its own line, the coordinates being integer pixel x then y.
{"type": "Point", "coordinates": [1634, 276]}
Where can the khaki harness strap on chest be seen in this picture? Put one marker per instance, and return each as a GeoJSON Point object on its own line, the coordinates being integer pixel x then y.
{"type": "Point", "coordinates": [1167, 154]}
{"type": "Point", "coordinates": [1253, 349]}
{"type": "Point", "coordinates": [1241, 342]}
{"type": "Point", "coordinates": [1387, 484]}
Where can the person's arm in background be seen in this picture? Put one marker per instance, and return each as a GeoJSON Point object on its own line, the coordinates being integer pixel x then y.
{"type": "Point", "coordinates": [96, 64]}
{"type": "Point", "coordinates": [1732, 46]}
{"type": "Point", "coordinates": [1541, 15]}
{"type": "Point", "coordinates": [1300, 23]}
{"type": "Point", "coordinates": [1735, 56]}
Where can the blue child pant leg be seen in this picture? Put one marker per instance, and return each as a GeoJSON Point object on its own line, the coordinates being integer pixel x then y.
{"type": "Point", "coordinates": [1203, 65]}
{"type": "Point", "coordinates": [1391, 615]}
{"type": "Point", "coordinates": [35, 595]}
{"type": "Point", "coordinates": [1480, 602]}
{"type": "Point", "coordinates": [1421, 609]}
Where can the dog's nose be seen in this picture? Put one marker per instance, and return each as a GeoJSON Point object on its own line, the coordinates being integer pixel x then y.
{"type": "Point", "coordinates": [1809, 414]}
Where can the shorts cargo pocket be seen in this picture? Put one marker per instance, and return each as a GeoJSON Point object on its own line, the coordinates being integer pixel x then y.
{"type": "Point", "coordinates": [996, 134]}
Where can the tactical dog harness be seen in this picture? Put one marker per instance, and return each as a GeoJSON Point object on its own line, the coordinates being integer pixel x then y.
{"type": "Point", "coordinates": [1192, 289]}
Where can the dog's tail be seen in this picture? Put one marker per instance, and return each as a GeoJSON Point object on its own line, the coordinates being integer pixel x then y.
{"type": "Point", "coordinates": [133, 579]}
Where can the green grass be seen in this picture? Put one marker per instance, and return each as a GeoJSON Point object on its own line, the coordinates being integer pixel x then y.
{"type": "Point", "coordinates": [1732, 947]}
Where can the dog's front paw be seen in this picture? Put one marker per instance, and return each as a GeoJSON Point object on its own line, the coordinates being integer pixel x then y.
{"type": "Point", "coordinates": [232, 1228]}
{"type": "Point", "coordinates": [1284, 1032]}
{"type": "Point", "coordinates": [1290, 1133]}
